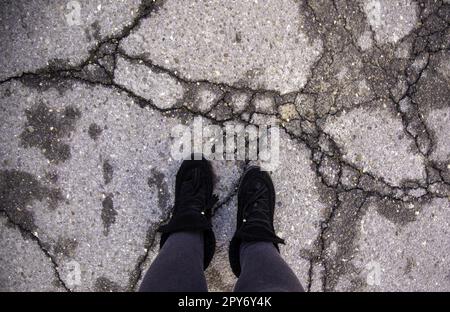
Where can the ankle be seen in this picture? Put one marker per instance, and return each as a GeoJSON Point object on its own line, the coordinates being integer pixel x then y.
{"type": "Point", "coordinates": [250, 246]}
{"type": "Point", "coordinates": [191, 238]}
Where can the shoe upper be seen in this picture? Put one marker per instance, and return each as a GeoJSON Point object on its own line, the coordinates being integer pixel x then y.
{"type": "Point", "coordinates": [256, 205]}
{"type": "Point", "coordinates": [193, 197]}
{"type": "Point", "coordinates": [193, 193]}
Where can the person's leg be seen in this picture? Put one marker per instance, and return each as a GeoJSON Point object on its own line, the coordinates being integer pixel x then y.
{"type": "Point", "coordinates": [263, 269]}
{"type": "Point", "coordinates": [178, 266]}
{"type": "Point", "coordinates": [253, 253]}
{"type": "Point", "coordinates": [187, 242]}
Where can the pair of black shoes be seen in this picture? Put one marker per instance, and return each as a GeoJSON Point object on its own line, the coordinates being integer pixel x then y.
{"type": "Point", "coordinates": [194, 200]}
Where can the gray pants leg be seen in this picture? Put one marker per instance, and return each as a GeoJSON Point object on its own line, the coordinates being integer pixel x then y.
{"type": "Point", "coordinates": [178, 266]}
{"type": "Point", "coordinates": [263, 269]}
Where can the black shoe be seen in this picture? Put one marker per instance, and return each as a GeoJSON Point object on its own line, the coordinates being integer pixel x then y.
{"type": "Point", "coordinates": [256, 205]}
{"type": "Point", "coordinates": [194, 200]}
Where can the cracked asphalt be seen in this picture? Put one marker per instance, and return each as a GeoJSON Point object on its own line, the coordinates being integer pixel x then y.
{"type": "Point", "coordinates": [91, 90]}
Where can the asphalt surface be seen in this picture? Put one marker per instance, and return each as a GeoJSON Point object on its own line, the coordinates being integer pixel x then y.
{"type": "Point", "coordinates": [90, 93]}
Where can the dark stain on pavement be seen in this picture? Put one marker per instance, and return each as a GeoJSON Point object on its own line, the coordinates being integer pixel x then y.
{"type": "Point", "coordinates": [157, 180]}
{"type": "Point", "coordinates": [217, 281]}
{"type": "Point", "coordinates": [238, 37]}
{"type": "Point", "coordinates": [7, 93]}
{"type": "Point", "coordinates": [343, 232]}
{"type": "Point", "coordinates": [93, 32]}
{"type": "Point", "coordinates": [46, 128]}
{"type": "Point", "coordinates": [57, 64]}
{"type": "Point", "coordinates": [103, 284]}
{"type": "Point", "coordinates": [66, 247]}
{"type": "Point", "coordinates": [94, 131]}
{"type": "Point", "coordinates": [18, 190]}
{"type": "Point", "coordinates": [52, 176]}
{"type": "Point", "coordinates": [398, 211]}
{"type": "Point", "coordinates": [108, 213]}
{"type": "Point", "coordinates": [108, 172]}
{"type": "Point", "coordinates": [410, 264]}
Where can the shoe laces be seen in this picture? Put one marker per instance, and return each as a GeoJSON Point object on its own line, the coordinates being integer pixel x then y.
{"type": "Point", "coordinates": [192, 196]}
{"type": "Point", "coordinates": [258, 211]}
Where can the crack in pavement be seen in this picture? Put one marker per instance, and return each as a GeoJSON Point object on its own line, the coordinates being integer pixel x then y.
{"type": "Point", "coordinates": [41, 246]}
{"type": "Point", "coordinates": [318, 154]}
{"type": "Point", "coordinates": [149, 244]}
{"type": "Point", "coordinates": [307, 141]}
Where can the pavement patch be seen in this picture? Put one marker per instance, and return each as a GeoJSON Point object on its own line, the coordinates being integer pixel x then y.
{"type": "Point", "coordinates": [374, 141]}
{"type": "Point", "coordinates": [223, 44]}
